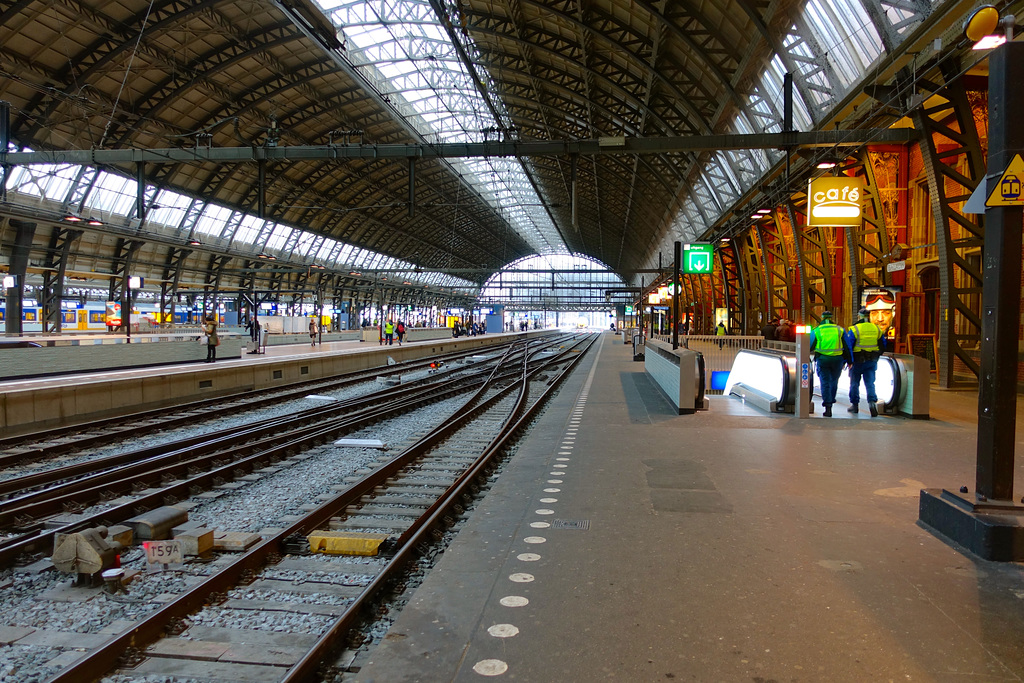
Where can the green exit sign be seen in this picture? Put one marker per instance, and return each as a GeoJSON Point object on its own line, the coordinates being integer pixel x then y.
{"type": "Point", "coordinates": [698, 259]}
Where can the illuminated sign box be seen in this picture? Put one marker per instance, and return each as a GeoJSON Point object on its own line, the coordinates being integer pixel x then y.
{"type": "Point", "coordinates": [698, 259]}
{"type": "Point", "coordinates": [834, 201]}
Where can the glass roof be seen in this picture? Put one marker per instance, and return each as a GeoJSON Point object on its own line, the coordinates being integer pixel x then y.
{"type": "Point", "coordinates": [849, 43]}
{"type": "Point", "coordinates": [113, 196]}
{"type": "Point", "coordinates": [401, 47]}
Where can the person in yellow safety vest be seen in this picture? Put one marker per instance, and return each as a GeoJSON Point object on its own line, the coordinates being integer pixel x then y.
{"type": "Point", "coordinates": [863, 343]}
{"type": "Point", "coordinates": [827, 347]}
{"type": "Point", "coordinates": [720, 332]}
{"type": "Point", "coordinates": [389, 332]}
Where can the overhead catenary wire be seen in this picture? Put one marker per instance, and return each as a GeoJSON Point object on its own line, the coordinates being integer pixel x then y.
{"type": "Point", "coordinates": [127, 71]}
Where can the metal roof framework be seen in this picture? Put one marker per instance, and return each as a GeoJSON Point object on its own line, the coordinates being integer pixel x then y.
{"type": "Point", "coordinates": [130, 74]}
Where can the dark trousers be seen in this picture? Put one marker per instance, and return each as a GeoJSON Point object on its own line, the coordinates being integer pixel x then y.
{"type": "Point", "coordinates": [829, 369]}
{"type": "Point", "coordinates": [211, 352]}
{"type": "Point", "coordinates": [863, 369]}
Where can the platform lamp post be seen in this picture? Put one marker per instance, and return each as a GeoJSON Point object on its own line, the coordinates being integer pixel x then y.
{"type": "Point", "coordinates": [677, 255]}
{"type": "Point", "coordinates": [989, 523]}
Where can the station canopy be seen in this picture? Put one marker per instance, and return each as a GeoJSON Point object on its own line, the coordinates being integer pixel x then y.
{"type": "Point", "coordinates": [373, 76]}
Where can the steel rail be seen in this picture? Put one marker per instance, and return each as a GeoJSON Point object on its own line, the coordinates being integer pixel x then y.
{"type": "Point", "coordinates": [169, 493]}
{"type": "Point", "coordinates": [154, 470]}
{"type": "Point", "coordinates": [101, 660]}
{"type": "Point", "coordinates": [143, 459]}
{"type": "Point", "coordinates": [278, 393]}
{"type": "Point", "coordinates": [182, 489]}
{"type": "Point", "coordinates": [206, 442]}
{"type": "Point", "coordinates": [411, 541]}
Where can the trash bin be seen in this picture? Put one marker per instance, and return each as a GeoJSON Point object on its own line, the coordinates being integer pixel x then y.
{"type": "Point", "coordinates": [638, 347]}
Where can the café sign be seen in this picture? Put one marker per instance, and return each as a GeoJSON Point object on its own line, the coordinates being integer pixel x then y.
{"type": "Point", "coordinates": [834, 201]}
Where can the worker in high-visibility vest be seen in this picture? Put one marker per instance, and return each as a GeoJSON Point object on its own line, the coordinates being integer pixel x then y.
{"type": "Point", "coordinates": [863, 343]}
{"type": "Point", "coordinates": [827, 347]}
{"type": "Point", "coordinates": [389, 333]}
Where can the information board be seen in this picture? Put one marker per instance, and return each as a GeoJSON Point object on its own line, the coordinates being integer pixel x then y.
{"type": "Point", "coordinates": [923, 346]}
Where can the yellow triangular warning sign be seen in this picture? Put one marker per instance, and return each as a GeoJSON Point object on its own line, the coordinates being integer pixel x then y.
{"type": "Point", "coordinates": [1009, 189]}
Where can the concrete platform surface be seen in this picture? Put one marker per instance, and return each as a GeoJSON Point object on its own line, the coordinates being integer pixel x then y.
{"type": "Point", "coordinates": [624, 542]}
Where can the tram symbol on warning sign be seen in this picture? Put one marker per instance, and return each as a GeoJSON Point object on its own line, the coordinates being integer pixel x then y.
{"type": "Point", "coordinates": [1009, 187]}
{"type": "Point", "coordinates": [1007, 191]}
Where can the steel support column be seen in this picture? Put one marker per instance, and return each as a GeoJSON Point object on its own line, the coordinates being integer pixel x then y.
{"type": "Point", "coordinates": [952, 120]}
{"type": "Point", "coordinates": [56, 263]}
{"type": "Point", "coordinates": [24, 232]}
{"type": "Point", "coordinates": [990, 523]}
{"type": "Point", "coordinates": [997, 400]}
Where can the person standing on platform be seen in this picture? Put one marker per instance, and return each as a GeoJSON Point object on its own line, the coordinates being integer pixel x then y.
{"type": "Point", "coordinates": [827, 347]}
{"type": "Point", "coordinates": [768, 331]}
{"type": "Point", "coordinates": [720, 332]}
{"type": "Point", "coordinates": [312, 332]}
{"type": "Point", "coordinates": [212, 339]}
{"type": "Point", "coordinates": [785, 331]}
{"type": "Point", "coordinates": [863, 347]}
{"type": "Point", "coordinates": [400, 331]}
{"type": "Point", "coordinates": [389, 333]}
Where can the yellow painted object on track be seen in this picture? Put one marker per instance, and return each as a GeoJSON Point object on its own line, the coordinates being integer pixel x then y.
{"type": "Point", "coordinates": [345, 542]}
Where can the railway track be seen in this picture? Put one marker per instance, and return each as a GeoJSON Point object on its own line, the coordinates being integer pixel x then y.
{"type": "Point", "coordinates": [164, 475]}
{"type": "Point", "coordinates": [409, 499]}
{"type": "Point", "coordinates": [31, 447]}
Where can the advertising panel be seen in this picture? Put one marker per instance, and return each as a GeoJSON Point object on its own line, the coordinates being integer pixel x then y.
{"type": "Point", "coordinates": [880, 303]}
{"type": "Point", "coordinates": [113, 314]}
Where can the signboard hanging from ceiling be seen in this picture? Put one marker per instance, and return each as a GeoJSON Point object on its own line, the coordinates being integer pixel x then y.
{"type": "Point", "coordinates": [834, 201]}
{"type": "Point", "coordinates": [698, 259]}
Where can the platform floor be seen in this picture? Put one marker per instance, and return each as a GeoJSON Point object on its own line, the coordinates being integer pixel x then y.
{"type": "Point", "coordinates": [729, 545]}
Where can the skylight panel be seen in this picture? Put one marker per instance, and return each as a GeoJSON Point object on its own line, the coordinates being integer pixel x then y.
{"type": "Point", "coordinates": [278, 237]}
{"type": "Point", "coordinates": [213, 219]}
{"type": "Point", "coordinates": [170, 208]}
{"type": "Point", "coordinates": [401, 47]}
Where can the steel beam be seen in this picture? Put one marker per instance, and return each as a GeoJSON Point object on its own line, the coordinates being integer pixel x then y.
{"type": "Point", "coordinates": [601, 146]}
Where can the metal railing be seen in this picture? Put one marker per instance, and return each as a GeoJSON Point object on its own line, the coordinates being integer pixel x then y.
{"type": "Point", "coordinates": [719, 352]}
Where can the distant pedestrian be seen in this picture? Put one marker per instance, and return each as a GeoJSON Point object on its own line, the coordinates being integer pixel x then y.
{"type": "Point", "coordinates": [312, 332]}
{"type": "Point", "coordinates": [720, 333]}
{"type": "Point", "coordinates": [389, 333]}
{"type": "Point", "coordinates": [768, 331]}
{"type": "Point", "coordinates": [827, 347]}
{"type": "Point", "coordinates": [400, 331]}
{"type": "Point", "coordinates": [785, 331]}
{"type": "Point", "coordinates": [212, 338]}
{"type": "Point", "coordinates": [863, 347]}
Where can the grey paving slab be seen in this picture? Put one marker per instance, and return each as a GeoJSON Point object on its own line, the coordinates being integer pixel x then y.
{"type": "Point", "coordinates": [12, 634]}
{"type": "Point", "coordinates": [263, 654]}
{"type": "Point", "coordinates": [212, 672]}
{"type": "Point", "coordinates": [46, 638]}
{"type": "Point", "coordinates": [729, 545]}
{"type": "Point", "coordinates": [237, 636]}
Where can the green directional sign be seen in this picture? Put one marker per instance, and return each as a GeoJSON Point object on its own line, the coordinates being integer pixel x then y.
{"type": "Point", "coordinates": [698, 259]}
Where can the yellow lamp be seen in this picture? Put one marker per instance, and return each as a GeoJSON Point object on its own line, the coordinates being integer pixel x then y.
{"type": "Point", "coordinates": [981, 23]}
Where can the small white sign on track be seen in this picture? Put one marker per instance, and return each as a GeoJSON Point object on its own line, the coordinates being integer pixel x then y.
{"type": "Point", "coordinates": [163, 552]}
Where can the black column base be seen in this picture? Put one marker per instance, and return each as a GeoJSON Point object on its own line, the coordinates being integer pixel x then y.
{"type": "Point", "coordinates": [990, 530]}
